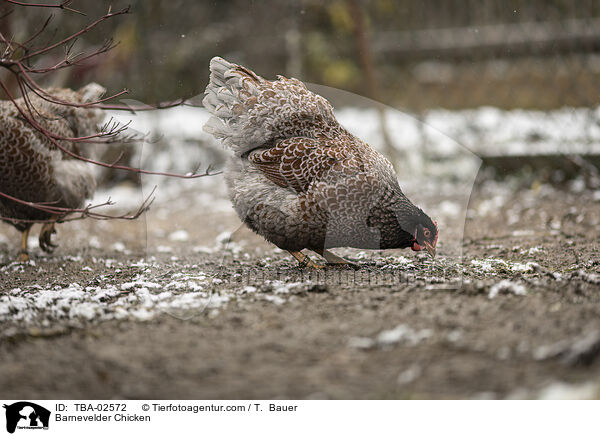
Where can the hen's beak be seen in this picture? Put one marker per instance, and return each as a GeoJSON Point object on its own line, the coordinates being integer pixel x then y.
{"type": "Point", "coordinates": [430, 249]}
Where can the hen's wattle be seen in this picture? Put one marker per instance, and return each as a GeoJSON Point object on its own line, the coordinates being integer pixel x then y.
{"type": "Point", "coordinates": [301, 180]}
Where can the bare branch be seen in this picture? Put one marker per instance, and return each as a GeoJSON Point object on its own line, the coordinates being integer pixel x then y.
{"type": "Point", "coordinates": [81, 213]}
{"type": "Point", "coordinates": [43, 94]}
{"type": "Point", "coordinates": [62, 5]}
{"type": "Point", "coordinates": [75, 35]}
{"type": "Point", "coordinates": [134, 109]}
{"type": "Point", "coordinates": [20, 59]}
{"type": "Point", "coordinates": [38, 32]}
{"type": "Point", "coordinates": [53, 139]}
{"type": "Point", "coordinates": [6, 14]}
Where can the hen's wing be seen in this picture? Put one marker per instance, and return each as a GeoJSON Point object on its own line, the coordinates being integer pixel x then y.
{"type": "Point", "coordinates": [25, 162]}
{"type": "Point", "coordinates": [298, 162]}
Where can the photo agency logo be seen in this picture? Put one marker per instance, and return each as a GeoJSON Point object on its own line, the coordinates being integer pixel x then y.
{"type": "Point", "coordinates": [25, 415]}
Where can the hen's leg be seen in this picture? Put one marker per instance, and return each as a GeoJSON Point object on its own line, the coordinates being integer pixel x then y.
{"type": "Point", "coordinates": [23, 253]}
{"type": "Point", "coordinates": [334, 259]}
{"type": "Point", "coordinates": [45, 238]}
{"type": "Point", "coordinates": [305, 260]}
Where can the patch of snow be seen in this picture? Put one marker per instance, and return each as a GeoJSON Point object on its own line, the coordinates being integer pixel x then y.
{"type": "Point", "coordinates": [532, 250]}
{"type": "Point", "coordinates": [94, 242]}
{"type": "Point", "coordinates": [409, 375]}
{"type": "Point", "coordinates": [449, 208]}
{"type": "Point", "coordinates": [564, 391]}
{"type": "Point", "coordinates": [483, 265]}
{"type": "Point", "coordinates": [179, 236]}
{"type": "Point", "coordinates": [397, 262]}
{"type": "Point", "coordinates": [454, 335]}
{"type": "Point", "coordinates": [118, 246]}
{"type": "Point", "coordinates": [248, 290]}
{"type": "Point", "coordinates": [493, 264]}
{"type": "Point", "coordinates": [587, 277]}
{"type": "Point", "coordinates": [361, 342]}
{"type": "Point", "coordinates": [223, 238]}
{"type": "Point", "coordinates": [507, 287]}
{"type": "Point", "coordinates": [107, 298]}
{"type": "Point", "coordinates": [520, 267]}
{"type": "Point", "coordinates": [203, 249]}
{"type": "Point", "coordinates": [142, 314]}
{"type": "Point", "coordinates": [523, 233]}
{"type": "Point", "coordinates": [274, 299]}
{"type": "Point", "coordinates": [403, 333]}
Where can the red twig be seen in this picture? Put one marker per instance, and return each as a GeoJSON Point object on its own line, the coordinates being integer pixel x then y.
{"type": "Point", "coordinates": [42, 93]}
{"type": "Point", "coordinates": [18, 58]}
{"type": "Point", "coordinates": [38, 32]}
{"type": "Point", "coordinates": [62, 5]}
{"type": "Point", "coordinates": [51, 137]}
{"type": "Point", "coordinates": [75, 35]}
{"type": "Point", "coordinates": [23, 77]}
{"type": "Point", "coordinates": [86, 212]}
{"type": "Point", "coordinates": [133, 109]}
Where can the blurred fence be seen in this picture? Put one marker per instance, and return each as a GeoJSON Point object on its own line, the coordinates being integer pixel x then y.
{"type": "Point", "coordinates": [537, 65]}
{"type": "Point", "coordinates": [419, 56]}
{"type": "Point", "coordinates": [538, 54]}
{"type": "Point", "coordinates": [536, 60]}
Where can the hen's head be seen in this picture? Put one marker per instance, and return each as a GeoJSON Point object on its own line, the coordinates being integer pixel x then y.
{"type": "Point", "coordinates": [425, 234]}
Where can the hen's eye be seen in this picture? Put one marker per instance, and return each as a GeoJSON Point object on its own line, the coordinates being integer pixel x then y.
{"type": "Point", "coordinates": [426, 233]}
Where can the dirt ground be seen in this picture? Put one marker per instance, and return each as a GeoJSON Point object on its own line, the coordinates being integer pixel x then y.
{"type": "Point", "coordinates": [516, 316]}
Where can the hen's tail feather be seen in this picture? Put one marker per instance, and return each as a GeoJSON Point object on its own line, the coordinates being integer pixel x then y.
{"type": "Point", "coordinates": [226, 94]}
{"type": "Point", "coordinates": [249, 111]}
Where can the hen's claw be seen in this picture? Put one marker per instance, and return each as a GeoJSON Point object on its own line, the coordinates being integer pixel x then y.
{"type": "Point", "coordinates": [45, 238]}
{"type": "Point", "coordinates": [304, 260]}
{"type": "Point", "coordinates": [335, 260]}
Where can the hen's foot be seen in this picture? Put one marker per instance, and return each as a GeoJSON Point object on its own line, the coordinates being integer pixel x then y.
{"type": "Point", "coordinates": [335, 260]}
{"type": "Point", "coordinates": [45, 238]}
{"type": "Point", "coordinates": [23, 254]}
{"type": "Point", "coordinates": [304, 260]}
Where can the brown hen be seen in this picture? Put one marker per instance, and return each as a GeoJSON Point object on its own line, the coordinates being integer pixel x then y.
{"type": "Point", "coordinates": [301, 180]}
{"type": "Point", "coordinates": [32, 169]}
